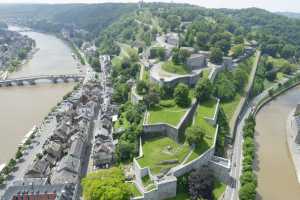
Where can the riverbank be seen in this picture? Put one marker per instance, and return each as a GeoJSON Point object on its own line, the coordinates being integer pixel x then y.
{"type": "Point", "coordinates": [294, 148]}
{"type": "Point", "coordinates": [26, 106]}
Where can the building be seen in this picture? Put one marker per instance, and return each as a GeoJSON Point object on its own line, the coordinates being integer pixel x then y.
{"type": "Point", "coordinates": [39, 169]}
{"type": "Point", "coordinates": [41, 192]}
{"type": "Point", "coordinates": [68, 171]}
{"type": "Point", "coordinates": [103, 154]}
{"type": "Point", "coordinates": [172, 39]}
{"type": "Point", "coordinates": [196, 61]}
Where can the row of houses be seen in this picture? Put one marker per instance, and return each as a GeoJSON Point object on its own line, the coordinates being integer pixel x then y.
{"type": "Point", "coordinates": [62, 161]}
{"type": "Point", "coordinates": [104, 145]}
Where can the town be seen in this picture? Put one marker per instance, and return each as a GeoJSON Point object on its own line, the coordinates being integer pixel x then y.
{"type": "Point", "coordinates": [164, 104]}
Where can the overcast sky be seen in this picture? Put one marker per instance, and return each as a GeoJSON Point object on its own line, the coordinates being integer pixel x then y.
{"type": "Point", "coordinates": [272, 5]}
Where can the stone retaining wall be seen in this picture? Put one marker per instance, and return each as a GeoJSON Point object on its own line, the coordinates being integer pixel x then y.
{"type": "Point", "coordinates": [213, 120]}
{"type": "Point", "coordinates": [221, 168]}
{"type": "Point", "coordinates": [164, 129]}
{"type": "Point", "coordinates": [135, 98]}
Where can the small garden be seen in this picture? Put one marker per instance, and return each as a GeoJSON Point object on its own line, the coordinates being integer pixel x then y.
{"type": "Point", "coordinates": [163, 153]}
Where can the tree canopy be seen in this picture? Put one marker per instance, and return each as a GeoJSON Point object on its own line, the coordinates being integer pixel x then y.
{"type": "Point", "coordinates": [106, 184]}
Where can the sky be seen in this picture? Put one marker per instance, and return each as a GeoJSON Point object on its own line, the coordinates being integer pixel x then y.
{"type": "Point", "coordinates": [271, 5]}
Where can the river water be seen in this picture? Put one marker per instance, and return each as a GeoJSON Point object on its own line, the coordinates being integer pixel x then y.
{"type": "Point", "coordinates": [23, 107]}
{"type": "Point", "coordinates": [276, 175]}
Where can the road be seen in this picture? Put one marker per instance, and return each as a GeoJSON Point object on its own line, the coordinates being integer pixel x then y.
{"type": "Point", "coordinates": [232, 190]}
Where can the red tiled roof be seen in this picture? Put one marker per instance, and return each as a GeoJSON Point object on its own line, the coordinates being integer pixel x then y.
{"type": "Point", "coordinates": [48, 196]}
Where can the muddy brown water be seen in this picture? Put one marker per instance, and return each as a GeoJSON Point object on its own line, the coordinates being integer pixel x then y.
{"type": "Point", "coordinates": [274, 167]}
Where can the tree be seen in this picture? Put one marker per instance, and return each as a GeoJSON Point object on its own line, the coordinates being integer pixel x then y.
{"type": "Point", "coordinates": [106, 184]}
{"type": "Point", "coordinates": [238, 50]}
{"type": "Point", "coordinates": [125, 150]}
{"type": "Point", "coordinates": [132, 115]}
{"type": "Point", "coordinates": [224, 45]}
{"type": "Point", "coordinates": [224, 87]}
{"type": "Point", "coordinates": [95, 64]}
{"type": "Point", "coordinates": [181, 95]}
{"type": "Point", "coordinates": [239, 39]}
{"type": "Point", "coordinates": [120, 94]}
{"type": "Point", "coordinates": [158, 52]}
{"type": "Point", "coordinates": [271, 75]}
{"type": "Point", "coordinates": [194, 135]}
{"type": "Point", "coordinates": [203, 89]}
{"type": "Point", "coordinates": [247, 192]}
{"type": "Point", "coordinates": [142, 87]}
{"type": "Point", "coordinates": [201, 184]}
{"type": "Point", "coordinates": [202, 39]}
{"type": "Point", "coordinates": [288, 51]}
{"type": "Point", "coordinates": [174, 21]}
{"type": "Point", "coordinates": [216, 55]}
{"type": "Point", "coordinates": [19, 153]}
{"type": "Point", "coordinates": [248, 177]}
{"type": "Point", "coordinates": [180, 56]}
{"type": "Point", "coordinates": [152, 98]}
{"type": "Point", "coordinates": [240, 79]}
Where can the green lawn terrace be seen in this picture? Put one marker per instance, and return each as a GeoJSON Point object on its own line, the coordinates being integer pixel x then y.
{"type": "Point", "coordinates": [167, 112]}
{"type": "Point", "coordinates": [170, 67]}
{"type": "Point", "coordinates": [162, 153]}
{"type": "Point", "coordinates": [205, 117]}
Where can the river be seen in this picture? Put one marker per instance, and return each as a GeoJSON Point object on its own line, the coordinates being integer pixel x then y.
{"type": "Point", "coordinates": [275, 171]}
{"type": "Point", "coordinates": [23, 107]}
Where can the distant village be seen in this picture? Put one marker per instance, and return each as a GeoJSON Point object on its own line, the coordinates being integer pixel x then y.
{"type": "Point", "coordinates": [14, 48]}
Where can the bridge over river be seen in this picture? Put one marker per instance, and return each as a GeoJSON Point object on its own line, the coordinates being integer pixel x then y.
{"type": "Point", "coordinates": [32, 80]}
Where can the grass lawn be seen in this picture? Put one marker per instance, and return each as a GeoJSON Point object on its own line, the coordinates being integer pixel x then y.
{"type": "Point", "coordinates": [229, 107]}
{"type": "Point", "coordinates": [206, 109]}
{"type": "Point", "coordinates": [169, 66]}
{"type": "Point", "coordinates": [162, 149]}
{"type": "Point", "coordinates": [167, 112]}
{"type": "Point", "coordinates": [135, 191]}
